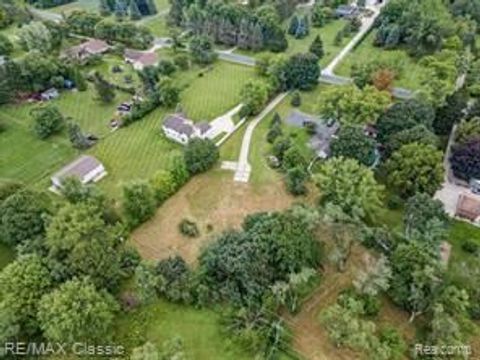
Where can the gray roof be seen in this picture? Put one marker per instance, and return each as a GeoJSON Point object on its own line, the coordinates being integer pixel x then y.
{"type": "Point", "coordinates": [178, 123]}
{"type": "Point", "coordinates": [81, 167]}
{"type": "Point", "coordinates": [320, 142]}
{"type": "Point", "coordinates": [203, 127]}
{"type": "Point", "coordinates": [299, 119]}
{"type": "Point", "coordinates": [345, 10]}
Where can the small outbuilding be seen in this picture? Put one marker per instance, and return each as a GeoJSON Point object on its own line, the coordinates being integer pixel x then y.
{"type": "Point", "coordinates": [140, 59]}
{"type": "Point", "coordinates": [86, 50]}
{"type": "Point", "coordinates": [86, 168]}
{"type": "Point", "coordinates": [468, 207]}
{"type": "Point", "coordinates": [49, 94]}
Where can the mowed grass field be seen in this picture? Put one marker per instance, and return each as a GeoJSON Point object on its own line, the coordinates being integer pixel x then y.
{"type": "Point", "coordinates": [411, 75]}
{"type": "Point", "coordinates": [211, 93]}
{"type": "Point", "coordinates": [24, 157]}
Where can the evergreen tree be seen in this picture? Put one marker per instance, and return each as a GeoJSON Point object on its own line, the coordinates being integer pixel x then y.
{"type": "Point", "coordinates": [105, 91]}
{"type": "Point", "coordinates": [292, 29]}
{"type": "Point", "coordinates": [302, 29]}
{"type": "Point", "coordinates": [317, 47]}
{"type": "Point", "coordinates": [104, 8]}
{"type": "Point", "coordinates": [152, 8]}
{"type": "Point", "coordinates": [134, 11]}
{"type": "Point", "coordinates": [306, 23]}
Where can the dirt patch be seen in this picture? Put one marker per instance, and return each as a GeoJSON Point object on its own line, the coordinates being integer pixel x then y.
{"type": "Point", "coordinates": [211, 200]}
{"type": "Point", "coordinates": [310, 340]}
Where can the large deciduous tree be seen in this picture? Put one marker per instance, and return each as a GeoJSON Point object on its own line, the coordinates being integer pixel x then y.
{"type": "Point", "coordinates": [200, 155]}
{"type": "Point", "coordinates": [22, 218]}
{"type": "Point", "coordinates": [465, 160]}
{"type": "Point", "coordinates": [415, 168]}
{"type": "Point", "coordinates": [350, 105]}
{"type": "Point", "coordinates": [254, 95]}
{"type": "Point", "coordinates": [351, 186]}
{"type": "Point", "coordinates": [48, 121]}
{"type": "Point", "coordinates": [302, 71]}
{"type": "Point", "coordinates": [201, 49]}
{"type": "Point", "coordinates": [77, 312]}
{"type": "Point", "coordinates": [138, 202]}
{"type": "Point", "coordinates": [354, 144]}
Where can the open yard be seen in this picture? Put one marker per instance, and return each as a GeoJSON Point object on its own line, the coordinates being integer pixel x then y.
{"type": "Point", "coordinates": [411, 75]}
{"type": "Point", "coordinates": [23, 156]}
{"type": "Point", "coordinates": [211, 92]}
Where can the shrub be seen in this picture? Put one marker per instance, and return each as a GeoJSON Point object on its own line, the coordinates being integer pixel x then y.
{"type": "Point", "coordinates": [296, 99]}
{"type": "Point", "coordinates": [470, 246]}
{"type": "Point", "coordinates": [394, 202]}
{"type": "Point", "coordinates": [189, 228]}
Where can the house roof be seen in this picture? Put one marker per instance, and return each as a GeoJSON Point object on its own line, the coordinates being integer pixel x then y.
{"type": "Point", "coordinates": [468, 207]}
{"type": "Point", "coordinates": [179, 124]}
{"type": "Point", "coordinates": [144, 58]}
{"type": "Point", "coordinates": [92, 46]}
{"type": "Point", "coordinates": [298, 118]}
{"type": "Point", "coordinates": [203, 127]}
{"type": "Point", "coordinates": [81, 167]}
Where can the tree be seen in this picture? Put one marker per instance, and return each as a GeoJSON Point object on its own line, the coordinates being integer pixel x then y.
{"type": "Point", "coordinates": [402, 116]}
{"type": "Point", "coordinates": [254, 95]}
{"type": "Point", "coordinates": [23, 218]}
{"type": "Point", "coordinates": [318, 15]}
{"type": "Point", "coordinates": [163, 185]}
{"type": "Point", "coordinates": [450, 113]}
{"type": "Point", "coordinates": [81, 243]}
{"type": "Point", "coordinates": [75, 312]}
{"type": "Point", "coordinates": [78, 139]}
{"type": "Point", "coordinates": [316, 47]}
{"type": "Point", "coordinates": [22, 284]}
{"type": "Point", "coordinates": [104, 8]}
{"type": "Point", "coordinates": [48, 121]}
{"type": "Point", "coordinates": [350, 186]}
{"type": "Point", "coordinates": [6, 46]}
{"type": "Point", "coordinates": [302, 71]}
{"type": "Point", "coordinates": [36, 36]}
{"type": "Point", "coordinates": [169, 93]}
{"type": "Point", "coordinates": [200, 155]}
{"type": "Point", "coordinates": [353, 143]}
{"type": "Point", "coordinates": [418, 134]}
{"type": "Point", "coordinates": [294, 23]}
{"type": "Point", "coordinates": [350, 105]}
{"type": "Point", "coordinates": [467, 130]}
{"type": "Point", "coordinates": [383, 79]}
{"type": "Point", "coordinates": [201, 50]}
{"type": "Point", "coordinates": [76, 192]}
{"type": "Point", "coordinates": [375, 278]}
{"type": "Point", "coordinates": [416, 275]}
{"type": "Point", "coordinates": [415, 168]}
{"type": "Point", "coordinates": [295, 180]}
{"type": "Point", "coordinates": [138, 202]}
{"type": "Point", "coordinates": [147, 283]}
{"type": "Point", "coordinates": [105, 91]}
{"type": "Point", "coordinates": [133, 10]}
{"type": "Point", "coordinates": [422, 213]}
{"type": "Point", "coordinates": [465, 160]}
{"type": "Point", "coordinates": [179, 170]}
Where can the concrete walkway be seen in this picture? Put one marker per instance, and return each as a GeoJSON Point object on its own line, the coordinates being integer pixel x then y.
{"type": "Point", "coordinates": [224, 123]}
{"type": "Point", "coordinates": [242, 173]}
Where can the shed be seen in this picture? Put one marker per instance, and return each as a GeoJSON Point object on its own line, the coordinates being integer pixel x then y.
{"type": "Point", "coordinates": [468, 207]}
{"type": "Point", "coordinates": [49, 94]}
{"type": "Point", "coordinates": [86, 168]}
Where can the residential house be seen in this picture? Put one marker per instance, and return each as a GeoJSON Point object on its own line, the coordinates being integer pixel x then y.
{"type": "Point", "coordinates": [86, 168]}
{"type": "Point", "coordinates": [180, 129]}
{"type": "Point", "coordinates": [346, 11]}
{"type": "Point", "coordinates": [86, 50]}
{"type": "Point", "coordinates": [140, 59]}
{"type": "Point", "coordinates": [323, 131]}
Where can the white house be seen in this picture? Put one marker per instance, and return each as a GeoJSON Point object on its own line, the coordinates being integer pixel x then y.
{"type": "Point", "coordinates": [180, 129]}
{"type": "Point", "coordinates": [86, 168]}
{"type": "Point", "coordinates": [140, 59]}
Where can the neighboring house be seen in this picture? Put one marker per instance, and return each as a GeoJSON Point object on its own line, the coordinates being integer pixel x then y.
{"type": "Point", "coordinates": [180, 129]}
{"type": "Point", "coordinates": [346, 11]}
{"type": "Point", "coordinates": [86, 50]}
{"type": "Point", "coordinates": [324, 131]}
{"type": "Point", "coordinates": [49, 94]}
{"type": "Point", "coordinates": [468, 207]}
{"type": "Point", "coordinates": [140, 59]}
{"type": "Point", "coordinates": [86, 168]}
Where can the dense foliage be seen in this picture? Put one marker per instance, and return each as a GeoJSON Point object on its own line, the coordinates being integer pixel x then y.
{"type": "Point", "coordinates": [353, 143]}
{"type": "Point", "coordinates": [200, 155]}
{"type": "Point", "coordinates": [465, 160]}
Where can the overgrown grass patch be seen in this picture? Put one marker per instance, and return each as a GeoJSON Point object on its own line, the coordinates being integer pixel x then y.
{"type": "Point", "coordinates": [365, 52]}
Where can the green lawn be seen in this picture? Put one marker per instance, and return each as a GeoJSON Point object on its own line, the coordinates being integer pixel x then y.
{"type": "Point", "coordinates": [411, 76]}
{"type": "Point", "coordinates": [23, 156]}
{"type": "Point", "coordinates": [89, 5]}
{"type": "Point", "coordinates": [199, 329]}
{"type": "Point", "coordinates": [134, 152]}
{"type": "Point", "coordinates": [105, 67]}
{"type": "Point", "coordinates": [214, 93]}
{"type": "Point", "coordinates": [158, 26]}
